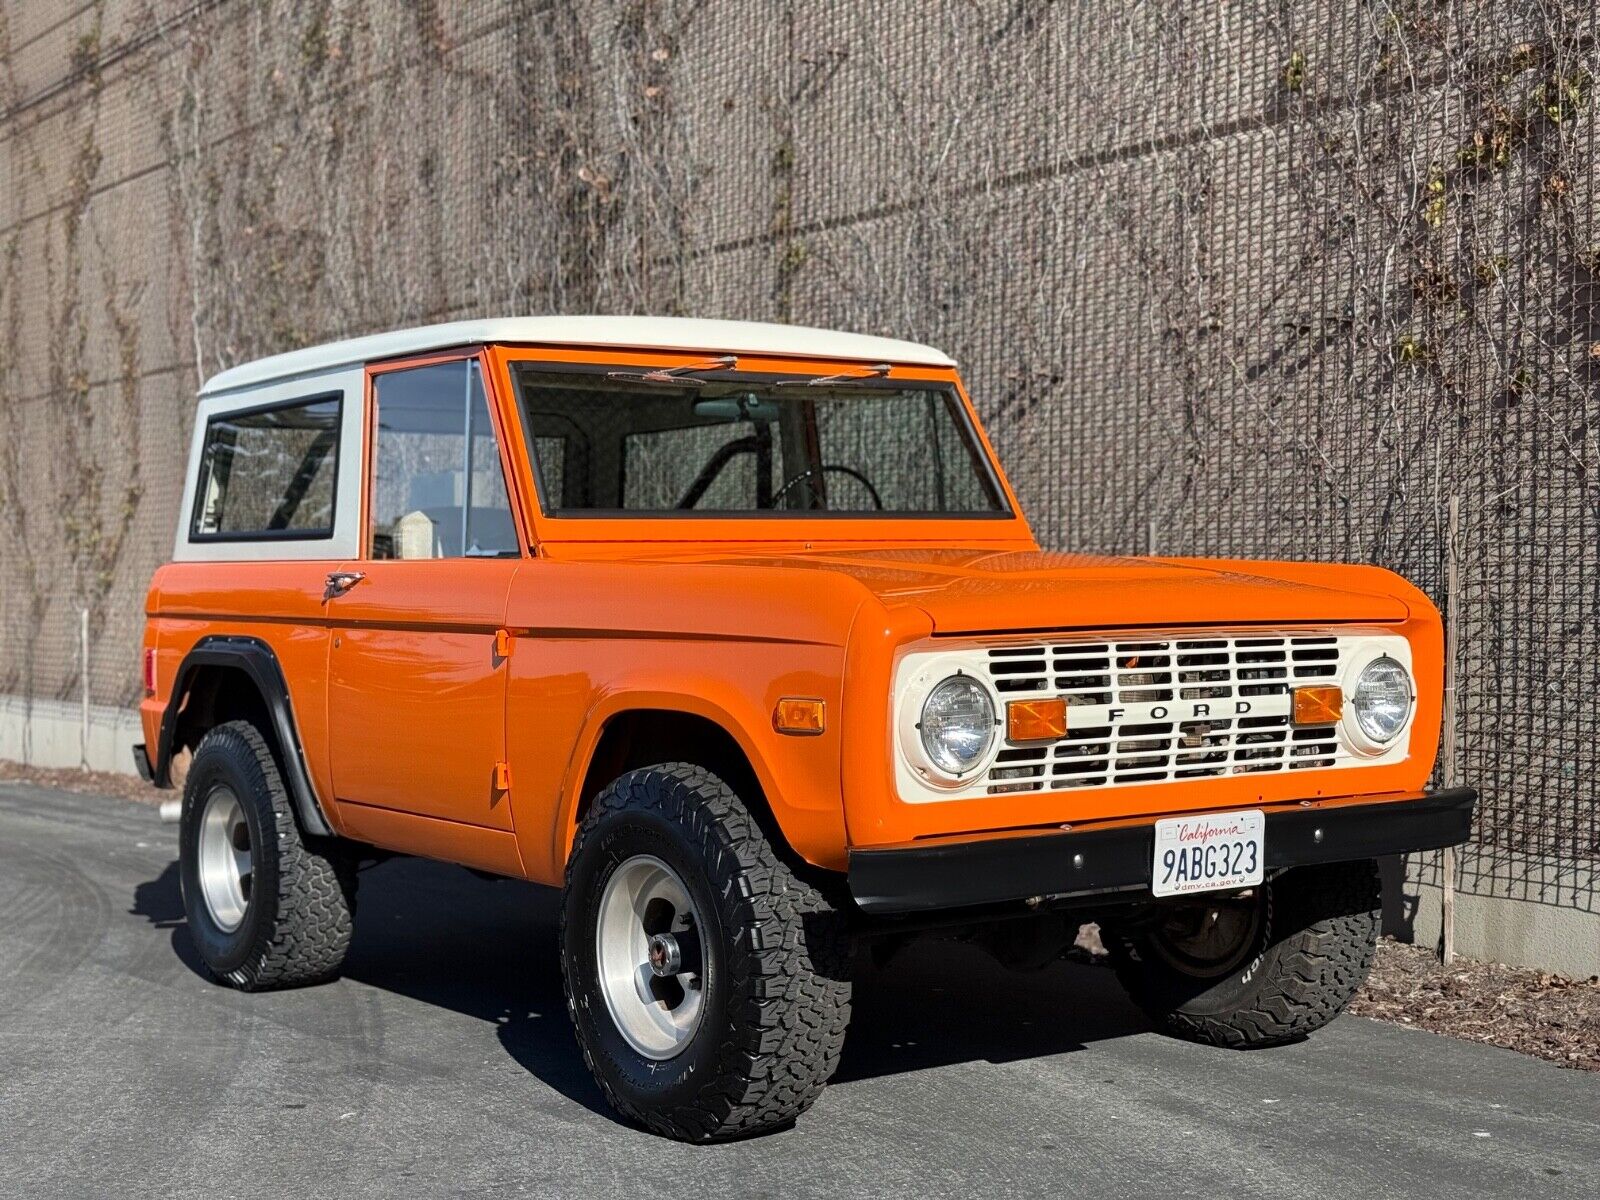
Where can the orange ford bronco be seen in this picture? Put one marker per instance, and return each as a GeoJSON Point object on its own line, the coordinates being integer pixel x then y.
{"type": "Point", "coordinates": [737, 633]}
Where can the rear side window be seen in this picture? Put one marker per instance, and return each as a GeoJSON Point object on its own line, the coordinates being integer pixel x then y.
{"type": "Point", "coordinates": [269, 473]}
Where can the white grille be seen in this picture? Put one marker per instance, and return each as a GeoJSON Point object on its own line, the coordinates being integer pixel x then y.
{"type": "Point", "coordinates": [1167, 710]}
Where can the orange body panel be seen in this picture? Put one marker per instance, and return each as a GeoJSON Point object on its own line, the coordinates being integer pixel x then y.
{"type": "Point", "coordinates": [416, 693]}
{"type": "Point", "coordinates": [600, 638]}
{"type": "Point", "coordinates": [279, 603]}
{"type": "Point", "coordinates": [410, 719]}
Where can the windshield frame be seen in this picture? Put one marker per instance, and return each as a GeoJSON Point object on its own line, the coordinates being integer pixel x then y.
{"type": "Point", "coordinates": [1004, 526]}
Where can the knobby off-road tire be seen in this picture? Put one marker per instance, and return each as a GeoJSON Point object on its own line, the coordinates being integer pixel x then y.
{"type": "Point", "coordinates": [298, 909]}
{"type": "Point", "coordinates": [1316, 931]}
{"type": "Point", "coordinates": [775, 956]}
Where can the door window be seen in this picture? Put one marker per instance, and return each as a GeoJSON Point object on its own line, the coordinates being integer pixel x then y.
{"type": "Point", "coordinates": [438, 490]}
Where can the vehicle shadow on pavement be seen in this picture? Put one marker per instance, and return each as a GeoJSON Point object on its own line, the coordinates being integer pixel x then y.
{"type": "Point", "coordinates": [942, 1003]}
{"type": "Point", "coordinates": [487, 949]}
{"type": "Point", "coordinates": [160, 901]}
{"type": "Point", "coordinates": [442, 936]}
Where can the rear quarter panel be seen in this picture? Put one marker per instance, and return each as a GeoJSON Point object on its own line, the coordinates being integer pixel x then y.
{"type": "Point", "coordinates": [278, 603]}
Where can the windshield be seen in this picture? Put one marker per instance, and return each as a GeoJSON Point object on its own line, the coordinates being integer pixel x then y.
{"type": "Point", "coordinates": [615, 444]}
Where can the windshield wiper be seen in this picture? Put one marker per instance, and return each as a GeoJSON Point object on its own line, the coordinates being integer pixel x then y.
{"type": "Point", "coordinates": [876, 371]}
{"type": "Point", "coordinates": [677, 375]}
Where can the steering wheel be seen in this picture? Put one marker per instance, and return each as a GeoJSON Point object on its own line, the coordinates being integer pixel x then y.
{"type": "Point", "coordinates": [810, 472]}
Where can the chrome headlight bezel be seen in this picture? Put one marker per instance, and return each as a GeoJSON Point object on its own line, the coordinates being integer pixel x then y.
{"type": "Point", "coordinates": [979, 727]}
{"type": "Point", "coordinates": [1366, 736]}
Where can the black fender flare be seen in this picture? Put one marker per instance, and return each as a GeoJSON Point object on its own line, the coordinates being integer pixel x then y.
{"type": "Point", "coordinates": [257, 660]}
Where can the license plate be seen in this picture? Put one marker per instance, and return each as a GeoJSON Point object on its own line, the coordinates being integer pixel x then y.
{"type": "Point", "coordinates": [1209, 853]}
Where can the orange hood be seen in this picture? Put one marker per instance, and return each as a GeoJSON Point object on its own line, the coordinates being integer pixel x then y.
{"type": "Point", "coordinates": [980, 591]}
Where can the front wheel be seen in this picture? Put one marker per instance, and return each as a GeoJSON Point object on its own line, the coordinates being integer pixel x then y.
{"type": "Point", "coordinates": [1260, 969]}
{"type": "Point", "coordinates": [708, 984]}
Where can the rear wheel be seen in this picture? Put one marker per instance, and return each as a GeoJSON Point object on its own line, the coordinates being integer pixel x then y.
{"type": "Point", "coordinates": [708, 983]}
{"type": "Point", "coordinates": [266, 908]}
{"type": "Point", "coordinates": [1258, 969]}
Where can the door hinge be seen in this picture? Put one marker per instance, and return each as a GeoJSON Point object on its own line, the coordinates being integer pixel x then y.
{"type": "Point", "coordinates": [504, 640]}
{"type": "Point", "coordinates": [502, 777]}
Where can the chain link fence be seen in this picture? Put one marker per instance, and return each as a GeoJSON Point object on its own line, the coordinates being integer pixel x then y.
{"type": "Point", "coordinates": [1240, 279]}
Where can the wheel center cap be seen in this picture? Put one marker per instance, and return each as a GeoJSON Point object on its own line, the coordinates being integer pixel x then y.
{"type": "Point", "coordinates": [666, 956]}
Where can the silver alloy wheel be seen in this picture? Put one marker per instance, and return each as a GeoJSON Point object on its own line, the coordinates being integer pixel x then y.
{"type": "Point", "coordinates": [226, 867]}
{"type": "Point", "coordinates": [653, 988]}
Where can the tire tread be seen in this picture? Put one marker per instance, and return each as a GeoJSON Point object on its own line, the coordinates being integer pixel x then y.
{"type": "Point", "coordinates": [789, 966]}
{"type": "Point", "coordinates": [1330, 917]}
{"type": "Point", "coordinates": [313, 910]}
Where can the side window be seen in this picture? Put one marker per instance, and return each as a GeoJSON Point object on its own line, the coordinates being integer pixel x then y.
{"type": "Point", "coordinates": [269, 473]}
{"type": "Point", "coordinates": [437, 489]}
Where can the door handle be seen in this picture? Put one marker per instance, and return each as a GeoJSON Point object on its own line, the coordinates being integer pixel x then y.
{"type": "Point", "coordinates": [340, 582]}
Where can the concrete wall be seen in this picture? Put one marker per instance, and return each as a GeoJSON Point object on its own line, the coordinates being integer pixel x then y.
{"type": "Point", "coordinates": [50, 733]}
{"type": "Point", "coordinates": [1550, 934]}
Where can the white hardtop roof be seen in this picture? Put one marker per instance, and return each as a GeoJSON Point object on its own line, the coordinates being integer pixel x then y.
{"type": "Point", "coordinates": [634, 333]}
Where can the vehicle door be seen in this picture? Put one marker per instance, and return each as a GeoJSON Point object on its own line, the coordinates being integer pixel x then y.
{"type": "Point", "coordinates": [416, 688]}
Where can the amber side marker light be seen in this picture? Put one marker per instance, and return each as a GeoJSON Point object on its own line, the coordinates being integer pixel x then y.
{"type": "Point", "coordinates": [794, 715]}
{"type": "Point", "coordinates": [1036, 720]}
{"type": "Point", "coordinates": [1318, 705]}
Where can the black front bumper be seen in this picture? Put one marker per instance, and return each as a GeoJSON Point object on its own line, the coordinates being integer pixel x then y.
{"type": "Point", "coordinates": [994, 870]}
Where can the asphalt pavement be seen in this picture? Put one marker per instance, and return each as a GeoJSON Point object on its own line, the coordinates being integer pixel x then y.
{"type": "Point", "coordinates": [443, 1064]}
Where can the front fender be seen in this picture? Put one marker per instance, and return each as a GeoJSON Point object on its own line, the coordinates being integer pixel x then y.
{"type": "Point", "coordinates": [733, 685]}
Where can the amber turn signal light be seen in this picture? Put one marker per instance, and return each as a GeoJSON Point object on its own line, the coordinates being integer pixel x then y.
{"type": "Point", "coordinates": [1036, 720]}
{"type": "Point", "coordinates": [1318, 705]}
{"type": "Point", "coordinates": [799, 716]}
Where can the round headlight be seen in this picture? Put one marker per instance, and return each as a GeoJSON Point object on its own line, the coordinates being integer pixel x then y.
{"type": "Point", "coordinates": [1382, 699]}
{"type": "Point", "coordinates": [957, 724]}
